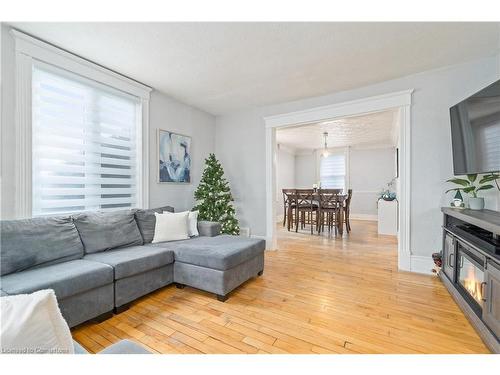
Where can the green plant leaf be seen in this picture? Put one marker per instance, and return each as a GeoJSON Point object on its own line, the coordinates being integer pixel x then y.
{"type": "Point", "coordinates": [469, 189]}
{"type": "Point", "coordinates": [472, 177]}
{"type": "Point", "coordinates": [459, 181]}
{"type": "Point", "coordinates": [485, 187]}
{"type": "Point", "coordinates": [455, 189]}
{"type": "Point", "coordinates": [489, 178]}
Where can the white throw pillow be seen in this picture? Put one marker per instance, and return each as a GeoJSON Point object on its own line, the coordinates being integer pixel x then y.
{"type": "Point", "coordinates": [192, 222]}
{"type": "Point", "coordinates": [33, 323]}
{"type": "Point", "coordinates": [171, 227]}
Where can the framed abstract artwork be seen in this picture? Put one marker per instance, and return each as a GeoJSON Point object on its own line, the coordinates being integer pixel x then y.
{"type": "Point", "coordinates": [174, 157]}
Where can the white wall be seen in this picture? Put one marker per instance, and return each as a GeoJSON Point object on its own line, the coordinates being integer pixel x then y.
{"type": "Point", "coordinates": [165, 113]}
{"type": "Point", "coordinates": [240, 143]}
{"type": "Point", "coordinates": [369, 172]}
{"type": "Point", "coordinates": [285, 176]}
{"type": "Point", "coordinates": [306, 170]}
{"type": "Point", "coordinates": [169, 114]}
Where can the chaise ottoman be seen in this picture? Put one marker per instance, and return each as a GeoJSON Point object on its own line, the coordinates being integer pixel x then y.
{"type": "Point", "coordinates": [217, 264]}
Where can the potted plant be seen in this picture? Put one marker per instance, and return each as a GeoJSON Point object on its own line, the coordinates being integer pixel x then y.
{"type": "Point", "coordinates": [387, 194]}
{"type": "Point", "coordinates": [468, 185]}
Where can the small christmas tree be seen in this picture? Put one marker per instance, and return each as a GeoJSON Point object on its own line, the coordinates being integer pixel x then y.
{"type": "Point", "coordinates": [214, 198]}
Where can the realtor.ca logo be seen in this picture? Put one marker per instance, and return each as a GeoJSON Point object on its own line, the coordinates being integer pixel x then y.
{"type": "Point", "coordinates": [34, 351]}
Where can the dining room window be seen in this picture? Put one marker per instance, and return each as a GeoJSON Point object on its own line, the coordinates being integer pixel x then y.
{"type": "Point", "coordinates": [84, 144]}
{"type": "Point", "coordinates": [332, 171]}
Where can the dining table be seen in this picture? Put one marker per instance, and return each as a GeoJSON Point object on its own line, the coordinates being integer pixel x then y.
{"type": "Point", "coordinates": [313, 197]}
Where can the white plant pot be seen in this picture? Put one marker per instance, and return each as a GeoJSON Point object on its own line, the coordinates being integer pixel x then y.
{"type": "Point", "coordinates": [476, 203]}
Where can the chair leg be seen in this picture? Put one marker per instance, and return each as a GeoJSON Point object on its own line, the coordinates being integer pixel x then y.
{"type": "Point", "coordinates": [284, 216]}
{"type": "Point", "coordinates": [318, 215]}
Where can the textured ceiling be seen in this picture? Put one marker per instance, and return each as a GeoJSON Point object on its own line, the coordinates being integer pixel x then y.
{"type": "Point", "coordinates": [223, 67]}
{"type": "Point", "coordinates": [367, 130]}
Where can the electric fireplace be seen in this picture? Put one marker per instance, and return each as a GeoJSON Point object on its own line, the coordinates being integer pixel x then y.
{"type": "Point", "coordinates": [470, 276]}
{"type": "Point", "coordinates": [471, 268]}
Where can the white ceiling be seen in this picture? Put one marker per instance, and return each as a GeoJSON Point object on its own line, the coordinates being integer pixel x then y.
{"type": "Point", "coordinates": [376, 129]}
{"type": "Point", "coordinates": [223, 67]}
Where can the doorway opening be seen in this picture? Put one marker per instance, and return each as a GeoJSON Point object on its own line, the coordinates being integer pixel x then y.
{"type": "Point", "coordinates": [314, 120]}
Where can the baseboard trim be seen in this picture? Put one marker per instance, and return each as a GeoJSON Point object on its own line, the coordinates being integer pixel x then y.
{"type": "Point", "coordinates": [421, 264]}
{"type": "Point", "coordinates": [367, 217]}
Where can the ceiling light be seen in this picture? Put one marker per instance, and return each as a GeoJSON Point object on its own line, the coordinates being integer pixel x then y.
{"type": "Point", "coordinates": [325, 152]}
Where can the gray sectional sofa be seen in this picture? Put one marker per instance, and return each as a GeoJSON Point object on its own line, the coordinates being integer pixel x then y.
{"type": "Point", "coordinates": [97, 262]}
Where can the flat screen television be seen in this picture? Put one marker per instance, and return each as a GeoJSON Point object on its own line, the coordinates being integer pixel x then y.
{"type": "Point", "coordinates": [475, 132]}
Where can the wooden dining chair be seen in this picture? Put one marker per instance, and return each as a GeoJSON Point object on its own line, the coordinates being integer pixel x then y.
{"type": "Point", "coordinates": [289, 196]}
{"type": "Point", "coordinates": [347, 210]}
{"type": "Point", "coordinates": [305, 204]}
{"type": "Point", "coordinates": [329, 206]}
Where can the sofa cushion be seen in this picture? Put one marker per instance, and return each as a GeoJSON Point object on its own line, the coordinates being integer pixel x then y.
{"type": "Point", "coordinates": [101, 231]}
{"type": "Point", "coordinates": [220, 252]}
{"type": "Point", "coordinates": [39, 241]}
{"type": "Point", "coordinates": [146, 221]}
{"type": "Point", "coordinates": [67, 279]}
{"type": "Point", "coordinates": [134, 260]}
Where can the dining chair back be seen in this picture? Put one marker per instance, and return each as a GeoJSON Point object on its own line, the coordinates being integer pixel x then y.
{"type": "Point", "coordinates": [305, 204]}
{"type": "Point", "coordinates": [329, 206]}
{"type": "Point", "coordinates": [289, 198]}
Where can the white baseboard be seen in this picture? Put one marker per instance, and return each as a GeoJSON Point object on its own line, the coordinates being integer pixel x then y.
{"type": "Point", "coordinates": [421, 264]}
{"type": "Point", "coordinates": [364, 217]}
{"type": "Point", "coordinates": [244, 231]}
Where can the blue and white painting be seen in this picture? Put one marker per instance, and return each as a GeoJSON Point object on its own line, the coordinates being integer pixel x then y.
{"type": "Point", "coordinates": [174, 151]}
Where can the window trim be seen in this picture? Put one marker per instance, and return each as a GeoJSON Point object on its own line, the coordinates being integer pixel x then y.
{"type": "Point", "coordinates": [28, 49]}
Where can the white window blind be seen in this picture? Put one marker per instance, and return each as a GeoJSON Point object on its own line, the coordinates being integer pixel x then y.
{"type": "Point", "coordinates": [84, 151]}
{"type": "Point", "coordinates": [332, 171]}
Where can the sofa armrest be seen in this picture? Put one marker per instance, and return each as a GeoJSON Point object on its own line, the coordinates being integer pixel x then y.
{"type": "Point", "coordinates": [79, 349]}
{"type": "Point", "coordinates": [209, 228]}
{"type": "Point", "coordinates": [125, 347]}
{"type": "Point", "coordinates": [120, 347]}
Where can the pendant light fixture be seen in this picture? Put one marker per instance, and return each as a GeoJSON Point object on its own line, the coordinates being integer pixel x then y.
{"type": "Point", "coordinates": [325, 152]}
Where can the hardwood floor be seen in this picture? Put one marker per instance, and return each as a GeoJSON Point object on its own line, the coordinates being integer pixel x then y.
{"type": "Point", "coordinates": [318, 294]}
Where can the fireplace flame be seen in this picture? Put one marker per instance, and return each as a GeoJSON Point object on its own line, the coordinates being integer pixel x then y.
{"type": "Point", "coordinates": [473, 285]}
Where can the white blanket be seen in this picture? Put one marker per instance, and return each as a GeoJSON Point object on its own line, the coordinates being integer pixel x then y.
{"type": "Point", "coordinates": [33, 323]}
